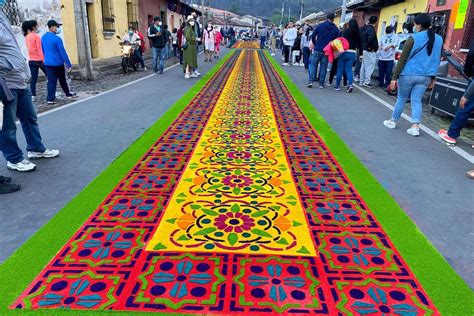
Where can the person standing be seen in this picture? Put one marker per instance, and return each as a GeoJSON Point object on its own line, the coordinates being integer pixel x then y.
{"type": "Point", "coordinates": [273, 39]}
{"type": "Point", "coordinates": [387, 49]}
{"type": "Point", "coordinates": [35, 53]}
{"type": "Point", "coordinates": [324, 33]}
{"type": "Point", "coordinates": [346, 60]}
{"type": "Point", "coordinates": [289, 38]}
{"type": "Point", "coordinates": [55, 58]}
{"type": "Point", "coordinates": [263, 37]}
{"type": "Point", "coordinates": [209, 42]}
{"type": "Point", "coordinates": [17, 103]}
{"type": "Point", "coordinates": [174, 42]}
{"type": "Point", "coordinates": [167, 34]}
{"type": "Point", "coordinates": [305, 40]}
{"type": "Point", "coordinates": [370, 45]}
{"type": "Point", "coordinates": [198, 35]}
{"type": "Point", "coordinates": [180, 36]}
{"type": "Point", "coordinates": [218, 40]}
{"type": "Point", "coordinates": [189, 49]}
{"type": "Point", "coordinates": [157, 36]}
{"type": "Point", "coordinates": [416, 71]}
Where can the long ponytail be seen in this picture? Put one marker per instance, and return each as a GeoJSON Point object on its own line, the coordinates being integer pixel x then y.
{"type": "Point", "coordinates": [424, 20]}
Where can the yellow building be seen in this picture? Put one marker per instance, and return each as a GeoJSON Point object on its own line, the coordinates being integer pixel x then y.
{"type": "Point", "coordinates": [396, 14]}
{"type": "Point", "coordinates": [106, 18]}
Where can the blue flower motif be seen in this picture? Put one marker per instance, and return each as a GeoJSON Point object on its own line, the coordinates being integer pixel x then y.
{"type": "Point", "coordinates": [129, 211]}
{"type": "Point", "coordinates": [75, 295]}
{"type": "Point", "coordinates": [149, 182]}
{"type": "Point", "coordinates": [277, 282]}
{"type": "Point", "coordinates": [103, 248]}
{"type": "Point", "coordinates": [334, 209]}
{"type": "Point", "coordinates": [183, 278]}
{"type": "Point", "coordinates": [359, 254]}
{"type": "Point", "coordinates": [379, 304]}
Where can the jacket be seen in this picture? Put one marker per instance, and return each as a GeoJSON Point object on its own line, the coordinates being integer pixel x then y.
{"type": "Point", "coordinates": [290, 36]}
{"type": "Point", "coordinates": [369, 38]}
{"type": "Point", "coordinates": [54, 51]}
{"type": "Point", "coordinates": [323, 34]}
{"type": "Point", "coordinates": [335, 48]}
{"type": "Point", "coordinates": [419, 63]}
{"type": "Point", "coordinates": [157, 36]}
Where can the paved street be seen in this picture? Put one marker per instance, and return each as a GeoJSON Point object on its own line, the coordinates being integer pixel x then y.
{"type": "Point", "coordinates": [245, 111]}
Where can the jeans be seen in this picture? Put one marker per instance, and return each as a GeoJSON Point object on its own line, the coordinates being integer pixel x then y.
{"type": "Point", "coordinates": [158, 58]}
{"type": "Point", "coordinates": [322, 59]}
{"type": "Point", "coordinates": [462, 115]}
{"type": "Point", "coordinates": [344, 66]}
{"type": "Point", "coordinates": [368, 66]}
{"type": "Point", "coordinates": [35, 66]}
{"type": "Point", "coordinates": [263, 41]}
{"type": "Point", "coordinates": [385, 72]}
{"type": "Point", "coordinates": [54, 74]}
{"type": "Point", "coordinates": [139, 57]}
{"type": "Point", "coordinates": [306, 53]}
{"type": "Point", "coordinates": [413, 88]}
{"type": "Point", "coordinates": [22, 107]}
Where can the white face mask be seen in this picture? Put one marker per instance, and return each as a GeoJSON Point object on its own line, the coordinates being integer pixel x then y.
{"type": "Point", "coordinates": [192, 23]}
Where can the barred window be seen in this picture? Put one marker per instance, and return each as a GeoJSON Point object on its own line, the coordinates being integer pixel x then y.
{"type": "Point", "coordinates": [108, 18]}
{"type": "Point", "coordinates": [10, 9]}
{"type": "Point", "coordinates": [440, 2]}
{"type": "Point", "coordinates": [132, 12]}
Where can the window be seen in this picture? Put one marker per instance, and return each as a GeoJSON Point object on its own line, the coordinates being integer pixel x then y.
{"type": "Point", "coordinates": [108, 18]}
{"type": "Point", "coordinates": [440, 2]}
{"type": "Point", "coordinates": [132, 12]}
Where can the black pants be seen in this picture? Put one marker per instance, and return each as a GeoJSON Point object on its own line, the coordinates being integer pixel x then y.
{"type": "Point", "coordinates": [35, 66]}
{"type": "Point", "coordinates": [54, 74]}
{"type": "Point", "coordinates": [286, 53]}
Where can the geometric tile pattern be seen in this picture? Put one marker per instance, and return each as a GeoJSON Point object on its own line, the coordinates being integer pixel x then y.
{"type": "Point", "coordinates": [355, 269]}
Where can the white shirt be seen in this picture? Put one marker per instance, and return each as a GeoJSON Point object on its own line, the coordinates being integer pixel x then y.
{"type": "Point", "coordinates": [386, 41]}
{"type": "Point", "coordinates": [290, 36]}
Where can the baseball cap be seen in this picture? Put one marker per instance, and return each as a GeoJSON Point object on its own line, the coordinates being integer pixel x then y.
{"type": "Point", "coordinates": [156, 18]}
{"type": "Point", "coordinates": [52, 23]}
{"type": "Point", "coordinates": [331, 16]}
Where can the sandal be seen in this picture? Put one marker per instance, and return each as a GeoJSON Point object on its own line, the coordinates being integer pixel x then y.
{"type": "Point", "coordinates": [470, 174]}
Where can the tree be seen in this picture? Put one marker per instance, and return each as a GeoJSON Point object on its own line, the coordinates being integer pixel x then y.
{"type": "Point", "coordinates": [235, 8]}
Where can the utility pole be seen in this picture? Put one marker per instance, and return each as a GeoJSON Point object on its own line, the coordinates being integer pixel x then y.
{"type": "Point", "coordinates": [343, 12]}
{"type": "Point", "coordinates": [282, 12]}
{"type": "Point", "coordinates": [289, 12]}
{"type": "Point", "coordinates": [83, 41]}
{"type": "Point", "coordinates": [301, 9]}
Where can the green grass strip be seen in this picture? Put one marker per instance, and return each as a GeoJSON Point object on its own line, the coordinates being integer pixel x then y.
{"type": "Point", "coordinates": [447, 290]}
{"type": "Point", "coordinates": [19, 270]}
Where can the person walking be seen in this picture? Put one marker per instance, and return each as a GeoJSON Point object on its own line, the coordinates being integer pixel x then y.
{"type": "Point", "coordinates": [189, 49]}
{"type": "Point", "coordinates": [198, 34]}
{"type": "Point", "coordinates": [174, 42]}
{"type": "Point", "coordinates": [35, 53]}
{"type": "Point", "coordinates": [209, 41]}
{"type": "Point", "coordinates": [416, 71]}
{"type": "Point", "coordinates": [387, 49]}
{"type": "Point", "coordinates": [324, 33]}
{"type": "Point", "coordinates": [296, 49]}
{"type": "Point", "coordinates": [305, 40]}
{"type": "Point", "coordinates": [370, 46]}
{"type": "Point", "coordinates": [263, 37]}
{"type": "Point", "coordinates": [167, 35]}
{"type": "Point", "coordinates": [346, 60]}
{"type": "Point", "coordinates": [158, 41]}
{"type": "Point", "coordinates": [218, 40]}
{"type": "Point", "coordinates": [55, 58]}
{"type": "Point", "coordinates": [289, 38]}
{"type": "Point", "coordinates": [15, 95]}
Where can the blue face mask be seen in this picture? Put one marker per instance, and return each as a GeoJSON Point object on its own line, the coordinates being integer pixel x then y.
{"type": "Point", "coordinates": [2, 2]}
{"type": "Point", "coordinates": [415, 30]}
{"type": "Point", "coordinates": [58, 31]}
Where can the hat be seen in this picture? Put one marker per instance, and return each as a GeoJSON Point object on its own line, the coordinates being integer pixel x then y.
{"type": "Point", "coordinates": [52, 23]}
{"type": "Point", "coordinates": [331, 16]}
{"type": "Point", "coordinates": [156, 18]}
{"type": "Point", "coordinates": [190, 17]}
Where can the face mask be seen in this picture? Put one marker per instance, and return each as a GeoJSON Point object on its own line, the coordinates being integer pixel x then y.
{"type": "Point", "coordinates": [415, 30]}
{"type": "Point", "coordinates": [191, 23]}
{"type": "Point", "coordinates": [58, 31]}
{"type": "Point", "coordinates": [160, 23]}
{"type": "Point", "coordinates": [130, 32]}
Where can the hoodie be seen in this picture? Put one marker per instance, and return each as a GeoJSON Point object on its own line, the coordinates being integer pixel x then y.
{"type": "Point", "coordinates": [323, 34]}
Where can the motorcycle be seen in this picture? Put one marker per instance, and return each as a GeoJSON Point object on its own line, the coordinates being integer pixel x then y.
{"type": "Point", "coordinates": [129, 61]}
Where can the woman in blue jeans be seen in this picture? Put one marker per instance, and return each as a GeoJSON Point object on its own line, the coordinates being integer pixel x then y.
{"type": "Point", "coordinates": [416, 71]}
{"type": "Point", "coordinates": [346, 59]}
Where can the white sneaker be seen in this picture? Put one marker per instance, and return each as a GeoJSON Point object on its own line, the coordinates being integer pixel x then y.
{"type": "Point", "coordinates": [186, 76]}
{"type": "Point", "coordinates": [48, 153]}
{"type": "Point", "coordinates": [390, 124]}
{"type": "Point", "coordinates": [414, 131]}
{"type": "Point", "coordinates": [272, 54]}
{"type": "Point", "coordinates": [33, 98]}
{"type": "Point", "coordinates": [194, 76]}
{"type": "Point", "coordinates": [296, 64]}
{"type": "Point", "coordinates": [285, 64]}
{"type": "Point", "coordinates": [197, 73]}
{"type": "Point", "coordinates": [301, 64]}
{"type": "Point", "coordinates": [22, 166]}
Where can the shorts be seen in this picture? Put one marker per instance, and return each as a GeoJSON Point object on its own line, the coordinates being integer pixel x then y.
{"type": "Point", "coordinates": [209, 46]}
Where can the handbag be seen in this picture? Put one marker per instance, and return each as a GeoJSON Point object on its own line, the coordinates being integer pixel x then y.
{"type": "Point", "coordinates": [184, 46]}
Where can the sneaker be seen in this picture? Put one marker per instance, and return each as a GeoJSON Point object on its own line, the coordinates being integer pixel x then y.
{"type": "Point", "coordinates": [444, 136]}
{"type": "Point", "coordinates": [356, 79]}
{"type": "Point", "coordinates": [272, 54]}
{"type": "Point", "coordinates": [51, 102]}
{"type": "Point", "coordinates": [414, 131]}
{"type": "Point", "coordinates": [349, 89]}
{"type": "Point", "coordinates": [145, 69]}
{"type": "Point", "coordinates": [186, 76]}
{"type": "Point", "coordinates": [160, 72]}
{"type": "Point", "coordinates": [367, 85]}
{"type": "Point", "coordinates": [285, 64]}
{"type": "Point", "coordinates": [6, 188]}
{"type": "Point", "coordinates": [72, 95]}
{"type": "Point", "coordinates": [197, 73]}
{"type": "Point", "coordinates": [337, 89]}
{"type": "Point", "coordinates": [22, 166]}
{"type": "Point", "coordinates": [310, 84]}
{"type": "Point", "coordinates": [390, 124]}
{"type": "Point", "coordinates": [301, 64]}
{"type": "Point", "coordinates": [296, 64]}
{"type": "Point", "coordinates": [5, 179]}
{"type": "Point", "coordinates": [194, 76]}
{"type": "Point", "coordinates": [321, 87]}
{"type": "Point", "coordinates": [33, 98]}
{"type": "Point", "coordinates": [48, 153]}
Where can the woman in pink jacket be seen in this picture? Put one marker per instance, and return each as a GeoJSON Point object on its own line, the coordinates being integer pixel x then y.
{"type": "Point", "coordinates": [35, 52]}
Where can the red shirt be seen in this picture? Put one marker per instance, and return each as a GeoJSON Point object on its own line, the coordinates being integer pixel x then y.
{"type": "Point", "coordinates": [33, 43]}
